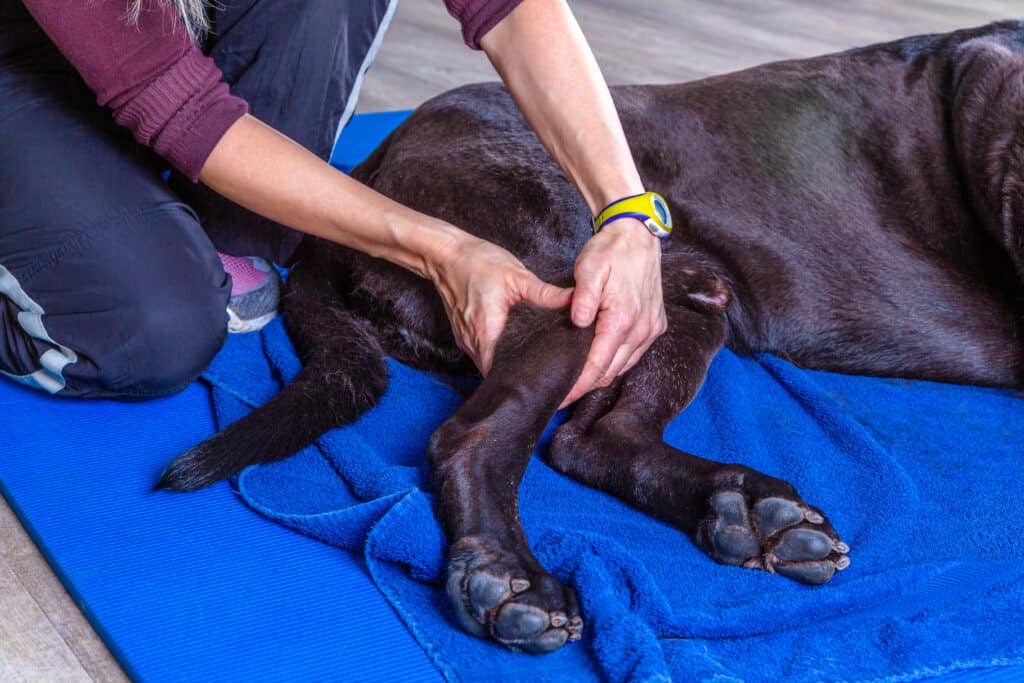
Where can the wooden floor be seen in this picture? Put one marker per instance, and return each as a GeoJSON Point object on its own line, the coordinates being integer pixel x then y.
{"type": "Point", "coordinates": [664, 41]}
{"type": "Point", "coordinates": [43, 636]}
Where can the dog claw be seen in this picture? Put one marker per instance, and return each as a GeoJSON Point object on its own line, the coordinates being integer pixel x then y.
{"type": "Point", "coordinates": [842, 563]}
{"type": "Point", "coordinates": [520, 585]}
{"type": "Point", "coordinates": [841, 548]}
{"type": "Point", "coordinates": [558, 619]}
{"type": "Point", "coordinates": [813, 517]}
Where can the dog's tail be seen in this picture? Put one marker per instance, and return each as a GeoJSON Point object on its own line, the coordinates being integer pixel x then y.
{"type": "Point", "coordinates": [323, 396]}
{"type": "Point", "coordinates": [343, 377]}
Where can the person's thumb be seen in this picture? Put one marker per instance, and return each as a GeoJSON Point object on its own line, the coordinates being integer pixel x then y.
{"type": "Point", "coordinates": [546, 294]}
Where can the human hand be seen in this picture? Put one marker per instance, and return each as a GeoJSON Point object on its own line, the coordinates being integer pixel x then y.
{"type": "Point", "coordinates": [618, 281]}
{"type": "Point", "coordinates": [479, 282]}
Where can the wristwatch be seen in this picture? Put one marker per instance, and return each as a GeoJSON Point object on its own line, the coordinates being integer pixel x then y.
{"type": "Point", "coordinates": [650, 208]}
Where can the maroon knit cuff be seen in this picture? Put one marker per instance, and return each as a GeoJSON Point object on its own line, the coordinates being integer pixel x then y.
{"type": "Point", "coordinates": [208, 127]}
{"type": "Point", "coordinates": [479, 16]}
{"type": "Point", "coordinates": [183, 113]}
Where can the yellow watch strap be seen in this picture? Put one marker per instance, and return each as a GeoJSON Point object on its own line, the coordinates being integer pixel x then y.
{"type": "Point", "coordinates": [650, 208]}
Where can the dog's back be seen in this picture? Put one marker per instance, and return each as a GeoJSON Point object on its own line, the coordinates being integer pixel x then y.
{"type": "Point", "coordinates": [853, 202]}
{"type": "Point", "coordinates": [865, 209]}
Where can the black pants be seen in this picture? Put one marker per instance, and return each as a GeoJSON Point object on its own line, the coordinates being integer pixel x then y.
{"type": "Point", "coordinates": [110, 285]}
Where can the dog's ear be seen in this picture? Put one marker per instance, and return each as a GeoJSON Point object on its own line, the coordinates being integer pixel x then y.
{"type": "Point", "coordinates": [988, 128]}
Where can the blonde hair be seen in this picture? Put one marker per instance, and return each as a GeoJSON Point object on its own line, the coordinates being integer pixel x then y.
{"type": "Point", "coordinates": [192, 13]}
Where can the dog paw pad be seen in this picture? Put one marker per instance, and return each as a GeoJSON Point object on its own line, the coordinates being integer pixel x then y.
{"type": "Point", "coordinates": [798, 545]}
{"type": "Point", "coordinates": [492, 598]}
{"type": "Point", "coordinates": [814, 573]}
{"type": "Point", "coordinates": [777, 513]}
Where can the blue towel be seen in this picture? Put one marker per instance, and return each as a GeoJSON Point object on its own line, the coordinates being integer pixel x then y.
{"type": "Point", "coordinates": [921, 479]}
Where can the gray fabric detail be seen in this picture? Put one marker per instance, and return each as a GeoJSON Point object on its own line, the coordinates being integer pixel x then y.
{"type": "Point", "coordinates": [50, 377]}
{"type": "Point", "coordinates": [10, 288]}
{"type": "Point", "coordinates": [40, 379]}
{"type": "Point", "coordinates": [371, 55]}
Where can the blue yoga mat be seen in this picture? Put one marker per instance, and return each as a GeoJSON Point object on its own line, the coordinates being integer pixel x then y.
{"type": "Point", "coordinates": [199, 587]}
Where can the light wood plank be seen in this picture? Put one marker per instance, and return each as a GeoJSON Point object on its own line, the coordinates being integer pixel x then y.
{"type": "Point", "coordinates": [83, 653]}
{"type": "Point", "coordinates": [30, 647]}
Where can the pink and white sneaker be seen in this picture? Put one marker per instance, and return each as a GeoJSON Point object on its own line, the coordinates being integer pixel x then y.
{"type": "Point", "coordinates": [255, 292]}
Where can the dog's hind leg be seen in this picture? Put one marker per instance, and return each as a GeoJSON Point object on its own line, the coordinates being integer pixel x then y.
{"type": "Point", "coordinates": [497, 587]}
{"type": "Point", "coordinates": [737, 515]}
{"type": "Point", "coordinates": [343, 376]}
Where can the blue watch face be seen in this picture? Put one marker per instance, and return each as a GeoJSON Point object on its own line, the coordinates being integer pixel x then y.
{"type": "Point", "coordinates": [661, 210]}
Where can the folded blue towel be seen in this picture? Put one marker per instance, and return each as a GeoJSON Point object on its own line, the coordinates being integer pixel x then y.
{"type": "Point", "coordinates": [921, 479]}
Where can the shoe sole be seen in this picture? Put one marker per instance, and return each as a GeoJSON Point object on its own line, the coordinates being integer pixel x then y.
{"type": "Point", "coordinates": [238, 326]}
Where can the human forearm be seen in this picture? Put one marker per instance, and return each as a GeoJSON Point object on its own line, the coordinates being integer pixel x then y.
{"type": "Point", "coordinates": [478, 282]}
{"type": "Point", "coordinates": [264, 171]}
{"type": "Point", "coordinates": [546, 64]}
{"type": "Point", "coordinates": [544, 60]}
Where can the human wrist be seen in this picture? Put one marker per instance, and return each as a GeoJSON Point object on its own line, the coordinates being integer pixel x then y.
{"type": "Point", "coordinates": [444, 246]}
{"type": "Point", "coordinates": [634, 232]}
{"type": "Point", "coordinates": [613, 192]}
{"type": "Point", "coordinates": [419, 243]}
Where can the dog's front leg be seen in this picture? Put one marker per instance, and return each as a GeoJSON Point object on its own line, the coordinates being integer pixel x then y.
{"type": "Point", "coordinates": [496, 586]}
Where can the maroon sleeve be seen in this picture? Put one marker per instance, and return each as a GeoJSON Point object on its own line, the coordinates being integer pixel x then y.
{"type": "Point", "coordinates": [479, 16]}
{"type": "Point", "coordinates": [152, 75]}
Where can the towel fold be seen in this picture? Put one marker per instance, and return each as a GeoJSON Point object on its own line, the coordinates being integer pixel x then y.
{"type": "Point", "coordinates": [921, 479]}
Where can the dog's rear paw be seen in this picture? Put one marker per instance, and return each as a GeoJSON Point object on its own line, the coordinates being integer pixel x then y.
{"type": "Point", "coordinates": [495, 596]}
{"type": "Point", "coordinates": [194, 469]}
{"type": "Point", "coordinates": [775, 532]}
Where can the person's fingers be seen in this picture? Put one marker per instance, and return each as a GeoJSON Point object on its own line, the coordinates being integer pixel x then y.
{"type": "Point", "coordinates": [635, 343]}
{"type": "Point", "coordinates": [491, 333]}
{"type": "Point", "coordinates": [612, 329]}
{"type": "Point", "coordinates": [635, 358]}
{"type": "Point", "coordinates": [642, 341]}
{"type": "Point", "coordinates": [536, 291]}
{"type": "Point", "coordinates": [486, 358]}
{"type": "Point", "coordinates": [618, 364]}
{"type": "Point", "coordinates": [465, 340]}
{"type": "Point", "coordinates": [591, 373]}
{"type": "Point", "coordinates": [586, 298]}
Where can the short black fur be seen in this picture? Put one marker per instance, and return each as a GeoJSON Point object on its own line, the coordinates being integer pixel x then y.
{"type": "Point", "coordinates": [859, 212]}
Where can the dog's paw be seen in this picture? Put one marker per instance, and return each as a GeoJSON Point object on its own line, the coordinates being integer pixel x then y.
{"type": "Point", "coordinates": [775, 531]}
{"type": "Point", "coordinates": [495, 596]}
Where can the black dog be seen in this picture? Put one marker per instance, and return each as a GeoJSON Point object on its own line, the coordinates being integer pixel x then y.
{"type": "Point", "coordinates": [860, 212]}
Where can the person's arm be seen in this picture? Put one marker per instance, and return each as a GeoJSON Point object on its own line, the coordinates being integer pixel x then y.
{"type": "Point", "coordinates": [543, 58]}
{"type": "Point", "coordinates": [156, 81]}
{"type": "Point", "coordinates": [159, 85]}
{"type": "Point", "coordinates": [266, 172]}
